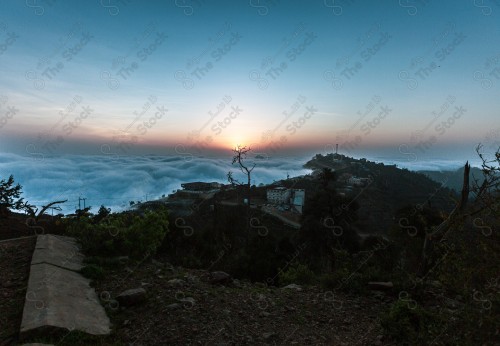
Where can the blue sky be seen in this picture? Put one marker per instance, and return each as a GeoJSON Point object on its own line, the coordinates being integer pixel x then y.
{"type": "Point", "coordinates": [386, 78]}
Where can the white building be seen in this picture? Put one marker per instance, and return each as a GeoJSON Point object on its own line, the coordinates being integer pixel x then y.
{"type": "Point", "coordinates": [297, 199]}
{"type": "Point", "coordinates": [291, 197]}
{"type": "Point", "coordinates": [359, 181]}
{"type": "Point", "coordinates": [278, 195]}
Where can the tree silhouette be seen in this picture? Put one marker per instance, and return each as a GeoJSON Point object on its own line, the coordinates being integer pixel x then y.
{"type": "Point", "coordinates": [240, 155]}
{"type": "Point", "coordinates": [10, 196]}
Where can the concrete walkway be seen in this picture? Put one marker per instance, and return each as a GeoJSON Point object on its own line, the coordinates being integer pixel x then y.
{"type": "Point", "coordinates": [58, 298]}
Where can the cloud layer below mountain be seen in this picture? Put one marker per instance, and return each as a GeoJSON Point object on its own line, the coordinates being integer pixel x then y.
{"type": "Point", "coordinates": [115, 181]}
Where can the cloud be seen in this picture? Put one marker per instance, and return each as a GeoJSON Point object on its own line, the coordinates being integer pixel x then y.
{"type": "Point", "coordinates": [114, 182]}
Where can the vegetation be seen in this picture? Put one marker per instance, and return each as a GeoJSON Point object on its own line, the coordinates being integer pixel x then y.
{"type": "Point", "coordinates": [131, 234]}
{"type": "Point", "coordinates": [10, 196]}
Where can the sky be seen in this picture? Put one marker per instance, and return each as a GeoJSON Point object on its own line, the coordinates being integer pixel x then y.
{"type": "Point", "coordinates": [407, 79]}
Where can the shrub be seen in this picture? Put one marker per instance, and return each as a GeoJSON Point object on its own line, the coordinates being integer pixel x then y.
{"type": "Point", "coordinates": [408, 323]}
{"type": "Point", "coordinates": [121, 234]}
{"type": "Point", "coordinates": [297, 274]}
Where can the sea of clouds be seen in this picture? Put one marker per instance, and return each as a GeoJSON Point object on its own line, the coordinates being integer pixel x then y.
{"type": "Point", "coordinates": [115, 181]}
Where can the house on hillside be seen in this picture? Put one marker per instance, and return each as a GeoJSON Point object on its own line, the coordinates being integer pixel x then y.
{"type": "Point", "coordinates": [288, 197]}
{"type": "Point", "coordinates": [297, 199]}
{"type": "Point", "coordinates": [356, 181]}
{"type": "Point", "coordinates": [278, 195]}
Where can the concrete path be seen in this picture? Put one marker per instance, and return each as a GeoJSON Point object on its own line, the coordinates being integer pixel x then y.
{"type": "Point", "coordinates": [58, 298]}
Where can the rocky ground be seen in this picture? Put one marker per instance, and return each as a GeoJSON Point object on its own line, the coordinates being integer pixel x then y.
{"type": "Point", "coordinates": [184, 307]}
{"type": "Point", "coordinates": [15, 259]}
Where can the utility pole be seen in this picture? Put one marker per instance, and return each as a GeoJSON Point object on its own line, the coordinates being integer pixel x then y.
{"type": "Point", "coordinates": [79, 204]}
{"type": "Point", "coordinates": [337, 149]}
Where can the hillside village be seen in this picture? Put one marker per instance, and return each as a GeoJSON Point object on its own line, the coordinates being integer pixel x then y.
{"type": "Point", "coordinates": [285, 199]}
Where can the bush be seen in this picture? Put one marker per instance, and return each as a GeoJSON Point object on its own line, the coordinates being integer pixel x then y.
{"type": "Point", "coordinates": [121, 234]}
{"type": "Point", "coordinates": [408, 323]}
{"type": "Point", "coordinates": [297, 274]}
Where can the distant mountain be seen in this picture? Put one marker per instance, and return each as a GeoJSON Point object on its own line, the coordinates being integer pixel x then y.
{"type": "Point", "coordinates": [454, 179]}
{"type": "Point", "coordinates": [389, 189]}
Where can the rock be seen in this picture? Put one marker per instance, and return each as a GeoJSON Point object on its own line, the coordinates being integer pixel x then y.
{"type": "Point", "coordinates": [173, 306]}
{"type": "Point", "coordinates": [188, 299]}
{"type": "Point", "coordinates": [436, 284]}
{"type": "Point", "coordinates": [122, 259]}
{"type": "Point", "coordinates": [293, 287]}
{"type": "Point", "coordinates": [264, 314]}
{"type": "Point", "coordinates": [176, 282]}
{"type": "Point", "coordinates": [191, 278]}
{"type": "Point", "coordinates": [188, 302]}
{"type": "Point", "coordinates": [156, 263]}
{"type": "Point", "coordinates": [452, 303]}
{"type": "Point", "coordinates": [132, 297]}
{"type": "Point", "coordinates": [380, 286]}
{"type": "Point", "coordinates": [220, 277]}
{"type": "Point", "coordinates": [268, 336]}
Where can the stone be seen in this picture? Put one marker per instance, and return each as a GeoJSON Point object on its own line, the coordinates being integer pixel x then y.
{"type": "Point", "coordinates": [189, 300]}
{"type": "Point", "coordinates": [293, 287]}
{"type": "Point", "coordinates": [176, 282]}
{"type": "Point", "coordinates": [380, 286]}
{"type": "Point", "coordinates": [173, 306]}
{"type": "Point", "coordinates": [156, 263]}
{"type": "Point", "coordinates": [132, 297]}
{"type": "Point", "coordinates": [264, 314]}
{"type": "Point", "coordinates": [191, 278]}
{"type": "Point", "coordinates": [452, 303]}
{"type": "Point", "coordinates": [220, 277]}
{"type": "Point", "coordinates": [268, 336]}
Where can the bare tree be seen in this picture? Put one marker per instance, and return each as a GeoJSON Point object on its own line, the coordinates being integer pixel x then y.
{"type": "Point", "coordinates": [32, 210]}
{"type": "Point", "coordinates": [486, 196]}
{"type": "Point", "coordinates": [240, 155]}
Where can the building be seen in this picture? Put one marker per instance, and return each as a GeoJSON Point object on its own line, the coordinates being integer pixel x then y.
{"type": "Point", "coordinates": [289, 197]}
{"type": "Point", "coordinates": [297, 199]}
{"type": "Point", "coordinates": [278, 195]}
{"type": "Point", "coordinates": [359, 181]}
